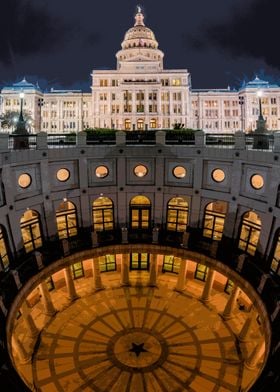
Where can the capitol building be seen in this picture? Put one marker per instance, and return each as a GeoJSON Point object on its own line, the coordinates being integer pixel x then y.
{"type": "Point", "coordinates": [141, 95]}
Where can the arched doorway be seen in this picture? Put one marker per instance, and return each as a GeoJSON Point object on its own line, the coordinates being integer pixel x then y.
{"type": "Point", "coordinates": [140, 213]}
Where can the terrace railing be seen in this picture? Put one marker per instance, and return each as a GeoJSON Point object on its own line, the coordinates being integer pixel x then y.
{"type": "Point", "coordinates": [238, 140]}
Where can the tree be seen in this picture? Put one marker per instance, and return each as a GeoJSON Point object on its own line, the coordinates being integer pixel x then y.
{"type": "Point", "coordinates": [9, 119]}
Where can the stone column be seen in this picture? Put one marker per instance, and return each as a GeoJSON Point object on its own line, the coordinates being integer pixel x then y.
{"type": "Point", "coordinates": [253, 359]}
{"type": "Point", "coordinates": [181, 281]}
{"type": "Point", "coordinates": [275, 312]}
{"type": "Point", "coordinates": [3, 307]}
{"type": "Point", "coordinates": [229, 308]}
{"type": "Point", "coordinates": [125, 270]}
{"type": "Point", "coordinates": [205, 297]}
{"type": "Point", "coordinates": [243, 335]}
{"type": "Point", "coordinates": [97, 282]}
{"type": "Point", "coordinates": [153, 270]}
{"type": "Point", "coordinates": [49, 309]}
{"type": "Point", "coordinates": [28, 320]}
{"type": "Point", "coordinates": [20, 350]}
{"type": "Point", "coordinates": [72, 294]}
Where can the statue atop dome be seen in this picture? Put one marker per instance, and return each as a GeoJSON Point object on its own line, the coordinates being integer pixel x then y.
{"type": "Point", "coordinates": [139, 17]}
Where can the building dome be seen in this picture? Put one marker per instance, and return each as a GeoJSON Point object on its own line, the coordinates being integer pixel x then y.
{"type": "Point", "coordinates": [139, 43]}
{"type": "Point", "coordinates": [139, 34]}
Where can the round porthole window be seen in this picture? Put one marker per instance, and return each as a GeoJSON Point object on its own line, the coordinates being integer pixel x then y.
{"type": "Point", "coordinates": [257, 181]}
{"type": "Point", "coordinates": [101, 171]}
{"type": "Point", "coordinates": [63, 175]}
{"type": "Point", "coordinates": [24, 180]}
{"type": "Point", "coordinates": [140, 170]}
{"type": "Point", "coordinates": [179, 172]}
{"type": "Point", "coordinates": [218, 175]}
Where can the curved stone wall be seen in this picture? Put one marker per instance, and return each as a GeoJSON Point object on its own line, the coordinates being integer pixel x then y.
{"type": "Point", "coordinates": [45, 193]}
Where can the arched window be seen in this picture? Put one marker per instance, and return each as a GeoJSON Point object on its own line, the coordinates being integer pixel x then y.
{"type": "Point", "coordinates": [214, 220]}
{"type": "Point", "coordinates": [31, 230]}
{"type": "Point", "coordinates": [66, 220]}
{"type": "Point", "coordinates": [4, 254]}
{"type": "Point", "coordinates": [140, 212]}
{"type": "Point", "coordinates": [275, 263]}
{"type": "Point", "coordinates": [249, 232]}
{"type": "Point", "coordinates": [177, 214]}
{"type": "Point", "coordinates": [127, 125]}
{"type": "Point", "coordinates": [140, 124]}
{"type": "Point", "coordinates": [103, 214]}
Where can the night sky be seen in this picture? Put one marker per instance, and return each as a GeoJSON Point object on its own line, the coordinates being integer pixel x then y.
{"type": "Point", "coordinates": [59, 42]}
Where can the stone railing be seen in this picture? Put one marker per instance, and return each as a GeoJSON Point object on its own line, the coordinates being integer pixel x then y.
{"type": "Point", "coordinates": [238, 140]}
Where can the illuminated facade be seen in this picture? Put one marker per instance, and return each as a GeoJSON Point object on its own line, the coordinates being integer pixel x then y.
{"type": "Point", "coordinates": [140, 94]}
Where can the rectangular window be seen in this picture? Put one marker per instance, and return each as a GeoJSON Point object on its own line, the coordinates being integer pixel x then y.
{"type": "Point", "coordinates": [77, 270]}
{"type": "Point", "coordinates": [107, 263]}
{"type": "Point", "coordinates": [201, 272]}
{"type": "Point", "coordinates": [171, 264]}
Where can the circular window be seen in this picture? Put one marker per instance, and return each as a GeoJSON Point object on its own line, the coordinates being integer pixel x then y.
{"type": "Point", "coordinates": [140, 171]}
{"type": "Point", "coordinates": [179, 172]}
{"type": "Point", "coordinates": [218, 175]}
{"type": "Point", "coordinates": [63, 175]}
{"type": "Point", "coordinates": [101, 171]}
{"type": "Point", "coordinates": [257, 181]}
{"type": "Point", "coordinates": [24, 180]}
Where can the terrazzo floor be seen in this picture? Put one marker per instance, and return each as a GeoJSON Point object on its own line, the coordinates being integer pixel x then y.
{"type": "Point", "coordinates": [138, 339]}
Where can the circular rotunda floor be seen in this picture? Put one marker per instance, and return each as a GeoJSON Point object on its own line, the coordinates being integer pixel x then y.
{"type": "Point", "coordinates": [125, 339]}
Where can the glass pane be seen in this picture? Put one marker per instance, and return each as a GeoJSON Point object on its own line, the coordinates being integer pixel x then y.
{"type": "Point", "coordinates": [182, 217]}
{"type": "Point", "coordinates": [207, 233]}
{"type": "Point", "coordinates": [145, 215]}
{"type": "Point", "coordinates": [274, 265]}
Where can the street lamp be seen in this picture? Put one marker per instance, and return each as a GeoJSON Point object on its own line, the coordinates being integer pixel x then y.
{"type": "Point", "coordinates": [260, 135]}
{"type": "Point", "coordinates": [259, 95]}
{"type": "Point", "coordinates": [21, 138]}
{"type": "Point", "coordinates": [40, 104]}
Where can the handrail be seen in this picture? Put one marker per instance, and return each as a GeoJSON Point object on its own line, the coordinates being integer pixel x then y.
{"type": "Point", "coordinates": [243, 141]}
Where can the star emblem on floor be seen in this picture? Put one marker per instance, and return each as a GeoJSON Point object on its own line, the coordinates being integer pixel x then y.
{"type": "Point", "coordinates": [138, 349]}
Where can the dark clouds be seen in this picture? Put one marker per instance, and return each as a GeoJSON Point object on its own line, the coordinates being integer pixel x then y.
{"type": "Point", "coordinates": [251, 30]}
{"type": "Point", "coordinates": [59, 42]}
{"type": "Point", "coordinates": [27, 28]}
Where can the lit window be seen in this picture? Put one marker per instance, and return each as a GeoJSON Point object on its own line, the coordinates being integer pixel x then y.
{"type": "Point", "coordinates": [179, 172]}
{"type": "Point", "coordinates": [218, 175]}
{"type": "Point", "coordinates": [63, 175]}
{"type": "Point", "coordinates": [103, 214]}
{"type": "Point", "coordinates": [249, 232]}
{"type": "Point", "coordinates": [214, 220]}
{"type": "Point", "coordinates": [66, 220]}
{"type": "Point", "coordinates": [201, 272]}
{"type": "Point", "coordinates": [107, 263]}
{"type": "Point", "coordinates": [177, 214]}
{"type": "Point", "coordinates": [4, 258]}
{"type": "Point", "coordinates": [101, 171]}
{"type": "Point", "coordinates": [24, 180]}
{"type": "Point", "coordinates": [257, 181]}
{"type": "Point", "coordinates": [275, 263]}
{"type": "Point", "coordinates": [140, 171]}
{"type": "Point", "coordinates": [30, 230]}
{"type": "Point", "coordinates": [171, 264]}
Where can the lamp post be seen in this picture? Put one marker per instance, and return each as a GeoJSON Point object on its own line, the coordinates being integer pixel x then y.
{"type": "Point", "coordinates": [260, 135]}
{"type": "Point", "coordinates": [241, 103]}
{"type": "Point", "coordinates": [20, 132]}
{"type": "Point", "coordinates": [40, 104]}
